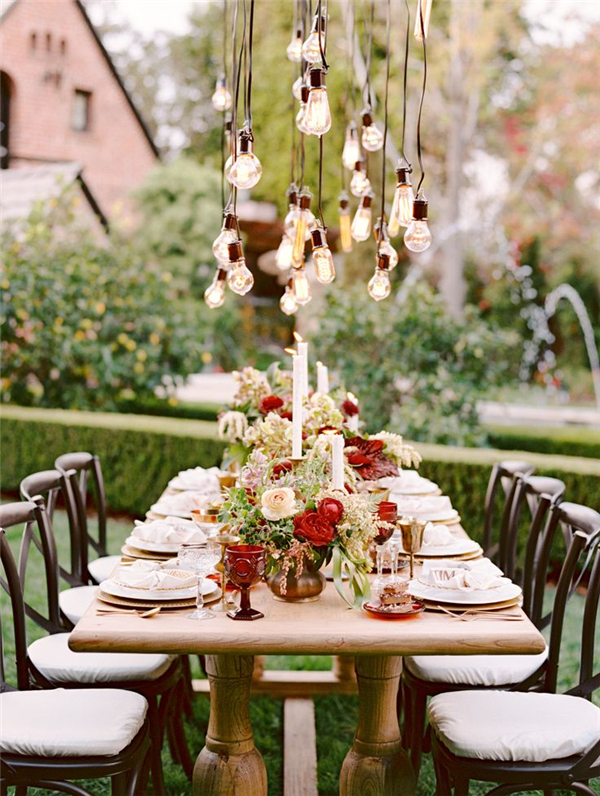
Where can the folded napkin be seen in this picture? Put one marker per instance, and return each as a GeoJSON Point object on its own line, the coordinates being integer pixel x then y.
{"type": "Point", "coordinates": [479, 575]}
{"type": "Point", "coordinates": [437, 535]}
{"type": "Point", "coordinates": [168, 531]}
{"type": "Point", "coordinates": [422, 506]}
{"type": "Point", "coordinates": [206, 481]}
{"type": "Point", "coordinates": [181, 502]}
{"type": "Point", "coordinates": [150, 575]}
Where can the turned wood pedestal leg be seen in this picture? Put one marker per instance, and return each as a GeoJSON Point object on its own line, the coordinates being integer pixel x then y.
{"type": "Point", "coordinates": [377, 765]}
{"type": "Point", "coordinates": [229, 764]}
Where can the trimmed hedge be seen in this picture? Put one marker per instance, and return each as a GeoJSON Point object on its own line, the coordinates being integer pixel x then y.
{"type": "Point", "coordinates": [158, 406]}
{"type": "Point", "coordinates": [140, 454]}
{"type": "Point", "coordinates": [546, 439]}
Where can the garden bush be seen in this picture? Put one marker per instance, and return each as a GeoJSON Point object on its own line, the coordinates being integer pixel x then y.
{"type": "Point", "coordinates": [86, 323]}
{"type": "Point", "coordinates": [568, 441]}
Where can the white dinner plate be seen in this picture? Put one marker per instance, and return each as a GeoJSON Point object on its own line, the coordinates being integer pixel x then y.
{"type": "Point", "coordinates": [153, 547]}
{"type": "Point", "coordinates": [458, 548]}
{"type": "Point", "coordinates": [449, 515]}
{"type": "Point", "coordinates": [185, 486]}
{"type": "Point", "coordinates": [166, 511]}
{"type": "Point", "coordinates": [508, 591]}
{"type": "Point", "coordinates": [117, 590]}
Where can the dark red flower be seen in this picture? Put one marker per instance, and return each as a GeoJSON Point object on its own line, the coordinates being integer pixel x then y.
{"type": "Point", "coordinates": [331, 509]}
{"type": "Point", "coordinates": [269, 403]}
{"type": "Point", "coordinates": [314, 528]}
{"type": "Point", "coordinates": [286, 415]}
{"type": "Point", "coordinates": [366, 456]}
{"type": "Point", "coordinates": [282, 467]}
{"type": "Point", "coordinates": [349, 408]}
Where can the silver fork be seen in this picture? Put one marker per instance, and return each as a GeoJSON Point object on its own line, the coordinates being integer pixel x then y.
{"type": "Point", "coordinates": [472, 613]}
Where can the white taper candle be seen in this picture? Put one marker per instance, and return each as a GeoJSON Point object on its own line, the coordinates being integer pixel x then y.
{"type": "Point", "coordinates": [322, 379]}
{"type": "Point", "coordinates": [297, 408]}
{"type": "Point", "coordinates": [337, 461]}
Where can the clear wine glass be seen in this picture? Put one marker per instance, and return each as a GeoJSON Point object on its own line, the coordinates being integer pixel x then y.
{"type": "Point", "coordinates": [388, 512]}
{"type": "Point", "coordinates": [201, 559]}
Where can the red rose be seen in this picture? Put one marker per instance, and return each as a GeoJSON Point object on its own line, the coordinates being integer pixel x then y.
{"type": "Point", "coordinates": [314, 528]}
{"type": "Point", "coordinates": [331, 510]}
{"type": "Point", "coordinates": [269, 404]}
{"type": "Point", "coordinates": [349, 408]}
{"type": "Point", "coordinates": [283, 467]}
{"type": "Point", "coordinates": [286, 415]}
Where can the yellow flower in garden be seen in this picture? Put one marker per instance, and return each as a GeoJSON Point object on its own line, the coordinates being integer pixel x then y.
{"type": "Point", "coordinates": [100, 308]}
{"type": "Point", "coordinates": [167, 277]}
{"type": "Point", "coordinates": [86, 323]}
{"type": "Point", "coordinates": [138, 368]}
{"type": "Point", "coordinates": [5, 284]}
{"type": "Point", "coordinates": [122, 339]}
{"type": "Point", "coordinates": [154, 338]}
{"type": "Point", "coordinates": [22, 314]}
{"type": "Point", "coordinates": [172, 401]}
{"type": "Point", "coordinates": [79, 335]}
{"type": "Point", "coordinates": [131, 345]}
{"type": "Point", "coordinates": [142, 355]}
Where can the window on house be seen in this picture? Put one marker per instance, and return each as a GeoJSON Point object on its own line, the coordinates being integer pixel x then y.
{"type": "Point", "coordinates": [80, 114]}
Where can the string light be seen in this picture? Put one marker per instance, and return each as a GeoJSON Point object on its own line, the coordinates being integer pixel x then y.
{"type": "Point", "coordinates": [283, 258]}
{"type": "Point", "coordinates": [351, 152]}
{"type": "Point", "coordinates": [221, 99]}
{"type": "Point", "coordinates": [345, 234]}
{"type": "Point", "coordinates": [317, 118]}
{"type": "Point", "coordinates": [214, 295]}
{"type": "Point", "coordinates": [372, 137]}
{"type": "Point", "coordinates": [315, 43]}
{"type": "Point", "coordinates": [360, 183]}
{"type": "Point", "coordinates": [361, 223]}
{"type": "Point", "coordinates": [239, 276]}
{"type": "Point", "coordinates": [322, 257]}
{"type": "Point", "coordinates": [302, 228]}
{"type": "Point", "coordinates": [380, 286]}
{"type": "Point", "coordinates": [288, 303]}
{"type": "Point", "coordinates": [227, 235]}
{"type": "Point", "coordinates": [301, 116]}
{"type": "Point", "coordinates": [404, 197]}
{"type": "Point", "coordinates": [383, 243]}
{"type": "Point", "coordinates": [301, 286]}
{"type": "Point", "coordinates": [246, 170]}
{"type": "Point", "coordinates": [294, 48]}
{"type": "Point", "coordinates": [417, 237]}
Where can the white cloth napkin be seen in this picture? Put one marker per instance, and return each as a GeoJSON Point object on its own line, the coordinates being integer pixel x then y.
{"type": "Point", "coordinates": [206, 481]}
{"type": "Point", "coordinates": [149, 575]}
{"type": "Point", "coordinates": [437, 535]}
{"type": "Point", "coordinates": [422, 507]}
{"type": "Point", "coordinates": [479, 575]}
{"type": "Point", "coordinates": [171, 530]}
{"type": "Point", "coordinates": [181, 502]}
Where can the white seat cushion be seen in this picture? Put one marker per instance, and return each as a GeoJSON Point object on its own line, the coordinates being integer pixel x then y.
{"type": "Point", "coordinates": [484, 670]}
{"type": "Point", "coordinates": [514, 726]}
{"type": "Point", "coordinates": [75, 602]}
{"type": "Point", "coordinates": [102, 568]}
{"type": "Point", "coordinates": [62, 723]}
{"type": "Point", "coordinates": [52, 657]}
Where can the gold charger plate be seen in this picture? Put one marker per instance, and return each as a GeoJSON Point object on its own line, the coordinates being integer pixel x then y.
{"type": "Point", "coordinates": [134, 553]}
{"type": "Point", "coordinates": [514, 603]}
{"type": "Point", "coordinates": [474, 554]}
{"type": "Point", "coordinates": [164, 604]}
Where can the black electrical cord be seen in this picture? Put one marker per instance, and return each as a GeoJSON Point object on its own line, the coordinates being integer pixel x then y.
{"type": "Point", "coordinates": [368, 28]}
{"type": "Point", "coordinates": [250, 49]}
{"type": "Point", "coordinates": [385, 124]}
{"type": "Point", "coordinates": [321, 183]}
{"type": "Point", "coordinates": [322, 39]}
{"type": "Point", "coordinates": [419, 152]}
{"type": "Point", "coordinates": [405, 82]}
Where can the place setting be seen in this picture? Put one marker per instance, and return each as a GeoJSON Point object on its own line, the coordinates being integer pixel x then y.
{"type": "Point", "coordinates": [410, 483]}
{"type": "Point", "coordinates": [161, 538]}
{"type": "Point", "coordinates": [436, 508]}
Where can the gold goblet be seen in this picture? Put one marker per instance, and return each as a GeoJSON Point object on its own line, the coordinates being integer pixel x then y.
{"type": "Point", "coordinates": [412, 538]}
{"type": "Point", "coordinates": [225, 539]}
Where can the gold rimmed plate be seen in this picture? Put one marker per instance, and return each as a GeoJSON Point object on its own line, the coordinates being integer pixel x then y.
{"type": "Point", "coordinates": [433, 606]}
{"type": "Point", "coordinates": [403, 611]}
{"type": "Point", "coordinates": [144, 555]}
{"type": "Point", "coordinates": [166, 605]}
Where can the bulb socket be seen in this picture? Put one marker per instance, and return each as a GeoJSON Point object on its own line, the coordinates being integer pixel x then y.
{"type": "Point", "coordinates": [351, 130]}
{"type": "Point", "coordinates": [420, 209]}
{"type": "Point", "coordinates": [383, 261]}
{"type": "Point", "coordinates": [358, 166]}
{"type": "Point", "coordinates": [221, 274]}
{"type": "Point", "coordinates": [317, 77]}
{"type": "Point", "coordinates": [230, 221]}
{"type": "Point", "coordinates": [298, 34]}
{"type": "Point", "coordinates": [304, 92]}
{"type": "Point", "coordinates": [235, 251]}
{"type": "Point", "coordinates": [319, 23]}
{"type": "Point", "coordinates": [367, 119]}
{"type": "Point", "coordinates": [403, 175]}
{"type": "Point", "coordinates": [221, 81]}
{"type": "Point", "coordinates": [344, 201]}
{"type": "Point", "coordinates": [244, 142]}
{"type": "Point", "coordinates": [305, 199]}
{"type": "Point", "coordinates": [228, 126]}
{"type": "Point", "coordinates": [319, 238]}
{"type": "Point", "coordinates": [366, 200]}
{"type": "Point", "coordinates": [292, 194]}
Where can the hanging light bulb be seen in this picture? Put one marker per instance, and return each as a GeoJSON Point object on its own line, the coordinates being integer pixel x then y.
{"type": "Point", "coordinates": [317, 119]}
{"type": "Point", "coordinates": [417, 237]}
{"type": "Point", "coordinates": [301, 286]}
{"type": "Point", "coordinates": [302, 227]}
{"type": "Point", "coordinates": [384, 246]}
{"type": "Point", "coordinates": [294, 48]}
{"type": "Point", "coordinates": [246, 169]}
{"type": "Point", "coordinates": [345, 235]}
{"type": "Point", "coordinates": [291, 220]}
{"type": "Point", "coordinates": [297, 87]}
{"type": "Point", "coordinates": [228, 148]}
{"type": "Point", "coordinates": [424, 8]}
{"type": "Point", "coordinates": [372, 137]}
{"type": "Point", "coordinates": [361, 223]}
{"type": "Point", "coordinates": [283, 258]}
{"type": "Point", "coordinates": [351, 150]}
{"type": "Point", "coordinates": [288, 303]}
{"type": "Point", "coordinates": [404, 197]}
{"type": "Point", "coordinates": [379, 286]}
{"type": "Point", "coordinates": [239, 276]}
{"type": "Point", "coordinates": [315, 43]}
{"type": "Point", "coordinates": [221, 99]}
{"type": "Point", "coordinates": [214, 295]}
{"type": "Point", "coordinates": [322, 257]}
{"type": "Point", "coordinates": [301, 115]}
{"type": "Point", "coordinates": [227, 235]}
{"type": "Point", "coordinates": [360, 183]}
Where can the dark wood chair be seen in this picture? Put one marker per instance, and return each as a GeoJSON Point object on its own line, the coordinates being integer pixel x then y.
{"type": "Point", "coordinates": [47, 737]}
{"type": "Point", "coordinates": [159, 678]}
{"type": "Point", "coordinates": [425, 676]}
{"type": "Point", "coordinates": [530, 741]}
{"type": "Point", "coordinates": [499, 494]}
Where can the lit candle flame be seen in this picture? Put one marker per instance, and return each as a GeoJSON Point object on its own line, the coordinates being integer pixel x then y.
{"type": "Point", "coordinates": [298, 337]}
{"type": "Point", "coordinates": [291, 351]}
{"type": "Point", "coordinates": [351, 397]}
{"type": "Point", "coordinates": [319, 364]}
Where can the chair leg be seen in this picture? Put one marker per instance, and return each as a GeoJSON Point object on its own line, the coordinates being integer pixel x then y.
{"type": "Point", "coordinates": [417, 731]}
{"type": "Point", "coordinates": [156, 742]}
{"type": "Point", "coordinates": [442, 779]}
{"type": "Point", "coordinates": [407, 699]}
{"type": "Point", "coordinates": [176, 734]}
{"type": "Point", "coordinates": [461, 785]}
{"type": "Point", "coordinates": [188, 690]}
{"type": "Point", "coordinates": [21, 790]}
{"type": "Point", "coordinates": [119, 785]}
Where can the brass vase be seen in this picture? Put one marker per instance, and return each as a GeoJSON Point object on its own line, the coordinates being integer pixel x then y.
{"type": "Point", "coordinates": [303, 588]}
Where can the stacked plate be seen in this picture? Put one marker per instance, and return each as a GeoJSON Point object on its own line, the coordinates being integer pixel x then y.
{"type": "Point", "coordinates": [160, 539]}
{"type": "Point", "coordinates": [114, 592]}
{"type": "Point", "coordinates": [430, 509]}
{"type": "Point", "coordinates": [179, 504]}
{"type": "Point", "coordinates": [409, 482]}
{"type": "Point", "coordinates": [197, 479]}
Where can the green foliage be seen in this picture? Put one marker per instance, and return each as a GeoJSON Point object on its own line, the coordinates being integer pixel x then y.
{"type": "Point", "coordinates": [547, 439]}
{"type": "Point", "coordinates": [415, 369]}
{"type": "Point", "coordinates": [86, 323]}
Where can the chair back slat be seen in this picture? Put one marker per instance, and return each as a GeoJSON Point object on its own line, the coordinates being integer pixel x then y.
{"type": "Point", "coordinates": [530, 570]}
{"type": "Point", "coordinates": [589, 682]}
{"type": "Point", "coordinates": [501, 483]}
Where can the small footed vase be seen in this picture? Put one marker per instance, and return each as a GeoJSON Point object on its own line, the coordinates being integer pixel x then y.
{"type": "Point", "coordinates": [305, 588]}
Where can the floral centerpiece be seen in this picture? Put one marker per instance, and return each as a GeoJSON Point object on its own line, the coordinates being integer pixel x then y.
{"type": "Point", "coordinates": [379, 455]}
{"type": "Point", "coordinates": [302, 522]}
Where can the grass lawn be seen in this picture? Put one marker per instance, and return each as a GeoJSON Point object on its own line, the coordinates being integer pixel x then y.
{"type": "Point", "coordinates": [336, 716]}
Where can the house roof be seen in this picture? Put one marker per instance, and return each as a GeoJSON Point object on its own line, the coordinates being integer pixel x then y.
{"type": "Point", "coordinates": [6, 8]}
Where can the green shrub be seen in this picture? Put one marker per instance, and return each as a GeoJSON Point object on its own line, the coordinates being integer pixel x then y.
{"type": "Point", "coordinates": [547, 439]}
{"type": "Point", "coordinates": [86, 324]}
{"type": "Point", "coordinates": [164, 408]}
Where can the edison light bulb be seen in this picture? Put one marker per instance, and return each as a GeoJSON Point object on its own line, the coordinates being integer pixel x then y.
{"type": "Point", "coordinates": [227, 235]}
{"type": "Point", "coordinates": [372, 137]}
{"type": "Point", "coordinates": [424, 8]}
{"type": "Point", "coordinates": [345, 235]}
{"type": "Point", "coordinates": [294, 48]}
{"type": "Point", "coordinates": [379, 286]}
{"type": "Point", "coordinates": [301, 286]}
{"type": "Point", "coordinates": [301, 115]}
{"type": "Point", "coordinates": [322, 257]}
{"type": "Point", "coordinates": [214, 295]}
{"type": "Point", "coordinates": [361, 224]}
{"type": "Point", "coordinates": [288, 303]}
{"type": "Point", "coordinates": [351, 151]}
{"type": "Point", "coordinates": [302, 228]}
{"type": "Point", "coordinates": [297, 87]}
{"type": "Point", "coordinates": [221, 99]}
{"type": "Point", "coordinates": [291, 220]}
{"type": "Point", "coordinates": [283, 258]}
{"type": "Point", "coordinates": [402, 206]}
{"type": "Point", "coordinates": [387, 248]}
{"type": "Point", "coordinates": [315, 44]}
{"type": "Point", "coordinates": [360, 183]}
{"type": "Point", "coordinates": [246, 169]}
{"type": "Point", "coordinates": [417, 237]}
{"type": "Point", "coordinates": [239, 277]}
{"type": "Point", "coordinates": [317, 119]}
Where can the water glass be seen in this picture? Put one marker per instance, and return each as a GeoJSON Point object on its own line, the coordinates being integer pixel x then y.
{"type": "Point", "coordinates": [200, 558]}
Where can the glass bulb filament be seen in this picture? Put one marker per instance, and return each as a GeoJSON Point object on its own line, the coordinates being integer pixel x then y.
{"type": "Point", "coordinates": [294, 49]}
{"type": "Point", "coordinates": [372, 138]}
{"type": "Point", "coordinates": [379, 286]}
{"type": "Point", "coordinates": [360, 183]}
{"type": "Point", "coordinates": [345, 234]}
{"type": "Point", "coordinates": [361, 223]}
{"type": "Point", "coordinates": [351, 151]}
{"type": "Point", "coordinates": [402, 208]}
{"type": "Point", "coordinates": [246, 171]}
{"type": "Point", "coordinates": [301, 286]}
{"type": "Point", "coordinates": [221, 99]}
{"type": "Point", "coordinates": [240, 278]}
{"type": "Point", "coordinates": [300, 238]}
{"type": "Point", "coordinates": [323, 263]}
{"type": "Point", "coordinates": [417, 237]}
{"type": "Point", "coordinates": [317, 118]}
{"type": "Point", "coordinates": [214, 295]}
{"type": "Point", "coordinates": [311, 49]}
{"type": "Point", "coordinates": [288, 303]}
{"type": "Point", "coordinates": [221, 245]}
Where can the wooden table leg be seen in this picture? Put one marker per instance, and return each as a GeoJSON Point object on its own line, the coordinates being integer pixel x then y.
{"type": "Point", "coordinates": [377, 765]}
{"type": "Point", "coordinates": [229, 764]}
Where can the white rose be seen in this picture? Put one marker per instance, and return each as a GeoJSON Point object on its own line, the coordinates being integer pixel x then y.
{"type": "Point", "coordinates": [277, 504]}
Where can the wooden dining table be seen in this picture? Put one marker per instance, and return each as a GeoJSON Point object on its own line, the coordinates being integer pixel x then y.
{"type": "Point", "coordinates": [230, 764]}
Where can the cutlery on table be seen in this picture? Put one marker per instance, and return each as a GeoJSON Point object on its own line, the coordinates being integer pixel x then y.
{"type": "Point", "coordinates": [142, 614]}
{"type": "Point", "coordinates": [472, 613]}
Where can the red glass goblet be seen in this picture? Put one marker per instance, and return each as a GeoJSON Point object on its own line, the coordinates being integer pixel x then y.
{"type": "Point", "coordinates": [244, 566]}
{"type": "Point", "coordinates": [387, 512]}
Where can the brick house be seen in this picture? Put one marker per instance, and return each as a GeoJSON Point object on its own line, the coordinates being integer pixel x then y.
{"type": "Point", "coordinates": [63, 101]}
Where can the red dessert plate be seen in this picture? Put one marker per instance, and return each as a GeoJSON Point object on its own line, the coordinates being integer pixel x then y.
{"type": "Point", "coordinates": [404, 611]}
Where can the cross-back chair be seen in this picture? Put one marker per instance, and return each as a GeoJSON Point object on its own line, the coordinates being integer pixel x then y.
{"type": "Point", "coordinates": [500, 489]}
{"type": "Point", "coordinates": [425, 676]}
{"type": "Point", "coordinates": [530, 740]}
{"type": "Point", "coordinates": [46, 737]}
{"type": "Point", "coordinates": [51, 664]}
